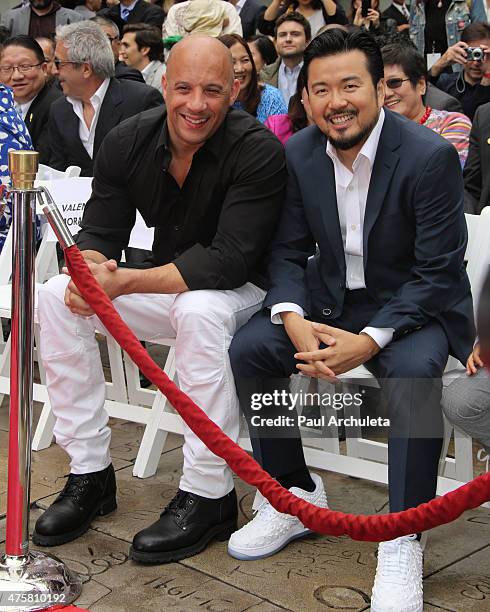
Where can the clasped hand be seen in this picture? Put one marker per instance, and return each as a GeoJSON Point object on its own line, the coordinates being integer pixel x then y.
{"type": "Point", "coordinates": [108, 279]}
{"type": "Point", "coordinates": [343, 351]}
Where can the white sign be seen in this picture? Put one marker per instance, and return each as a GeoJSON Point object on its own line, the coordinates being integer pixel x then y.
{"type": "Point", "coordinates": [71, 195]}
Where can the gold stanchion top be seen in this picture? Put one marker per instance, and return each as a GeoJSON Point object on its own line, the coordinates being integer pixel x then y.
{"type": "Point", "coordinates": [23, 167]}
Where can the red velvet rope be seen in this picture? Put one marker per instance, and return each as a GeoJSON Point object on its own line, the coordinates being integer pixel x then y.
{"type": "Point", "coordinates": [373, 528]}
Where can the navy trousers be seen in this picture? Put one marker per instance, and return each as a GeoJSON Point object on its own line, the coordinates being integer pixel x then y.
{"type": "Point", "coordinates": [409, 371]}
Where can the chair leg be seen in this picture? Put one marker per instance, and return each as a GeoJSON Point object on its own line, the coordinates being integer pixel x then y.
{"type": "Point", "coordinates": [448, 430]}
{"type": "Point", "coordinates": [43, 435]}
{"type": "Point", "coordinates": [154, 438]}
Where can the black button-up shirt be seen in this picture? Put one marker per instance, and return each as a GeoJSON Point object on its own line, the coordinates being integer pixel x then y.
{"type": "Point", "coordinates": [215, 229]}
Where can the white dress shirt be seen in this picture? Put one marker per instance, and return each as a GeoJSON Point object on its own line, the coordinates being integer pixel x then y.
{"type": "Point", "coordinates": [23, 108]}
{"type": "Point", "coordinates": [126, 10]}
{"type": "Point", "coordinates": [287, 80]}
{"type": "Point", "coordinates": [403, 10]}
{"type": "Point", "coordinates": [239, 5]}
{"type": "Point", "coordinates": [351, 189]}
{"type": "Point", "coordinates": [87, 134]}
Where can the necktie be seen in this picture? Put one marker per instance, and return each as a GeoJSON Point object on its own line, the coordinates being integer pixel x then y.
{"type": "Point", "coordinates": [405, 12]}
{"type": "Point", "coordinates": [125, 14]}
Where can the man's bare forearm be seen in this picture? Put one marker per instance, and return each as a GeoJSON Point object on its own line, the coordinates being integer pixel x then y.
{"type": "Point", "coordinates": [163, 279]}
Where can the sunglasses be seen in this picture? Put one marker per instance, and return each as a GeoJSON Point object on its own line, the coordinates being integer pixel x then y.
{"type": "Point", "coordinates": [395, 83]}
{"type": "Point", "coordinates": [59, 63]}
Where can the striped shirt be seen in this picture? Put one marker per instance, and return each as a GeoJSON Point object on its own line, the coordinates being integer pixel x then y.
{"type": "Point", "coordinates": [454, 127]}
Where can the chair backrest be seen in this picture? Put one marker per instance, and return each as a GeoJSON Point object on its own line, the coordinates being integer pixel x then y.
{"type": "Point", "coordinates": [46, 173]}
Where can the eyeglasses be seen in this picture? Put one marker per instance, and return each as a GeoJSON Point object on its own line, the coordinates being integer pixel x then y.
{"type": "Point", "coordinates": [395, 83]}
{"type": "Point", "coordinates": [58, 63]}
{"type": "Point", "coordinates": [7, 71]}
{"type": "Point", "coordinates": [112, 38]}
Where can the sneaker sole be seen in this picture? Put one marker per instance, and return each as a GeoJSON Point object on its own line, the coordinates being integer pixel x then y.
{"type": "Point", "coordinates": [242, 556]}
{"type": "Point", "coordinates": [106, 507]}
{"type": "Point", "coordinates": [382, 608]}
{"type": "Point", "coordinates": [220, 533]}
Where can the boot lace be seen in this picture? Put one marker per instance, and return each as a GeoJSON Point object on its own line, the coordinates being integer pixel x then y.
{"type": "Point", "coordinates": [75, 486]}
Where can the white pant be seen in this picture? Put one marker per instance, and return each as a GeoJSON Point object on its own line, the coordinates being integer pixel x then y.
{"type": "Point", "coordinates": [203, 323]}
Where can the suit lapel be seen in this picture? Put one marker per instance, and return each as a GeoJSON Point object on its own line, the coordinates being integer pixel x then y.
{"type": "Point", "coordinates": [322, 181]}
{"type": "Point", "coordinates": [110, 113]}
{"type": "Point", "coordinates": [385, 163]}
{"type": "Point", "coordinates": [136, 14]}
{"type": "Point", "coordinates": [244, 13]}
{"type": "Point", "coordinates": [71, 128]}
{"type": "Point", "coordinates": [35, 106]}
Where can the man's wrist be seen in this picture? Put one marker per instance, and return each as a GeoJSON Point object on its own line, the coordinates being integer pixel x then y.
{"type": "Point", "coordinates": [125, 280]}
{"type": "Point", "coordinates": [372, 348]}
{"type": "Point", "coordinates": [438, 67]}
{"type": "Point", "coordinates": [289, 315]}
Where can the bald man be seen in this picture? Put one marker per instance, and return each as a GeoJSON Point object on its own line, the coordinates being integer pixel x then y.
{"type": "Point", "coordinates": [210, 180]}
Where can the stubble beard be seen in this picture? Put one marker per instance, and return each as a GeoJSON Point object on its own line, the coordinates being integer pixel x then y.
{"type": "Point", "coordinates": [344, 144]}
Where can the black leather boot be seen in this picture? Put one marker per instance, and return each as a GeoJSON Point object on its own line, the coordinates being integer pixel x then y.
{"type": "Point", "coordinates": [69, 516]}
{"type": "Point", "coordinates": [185, 528]}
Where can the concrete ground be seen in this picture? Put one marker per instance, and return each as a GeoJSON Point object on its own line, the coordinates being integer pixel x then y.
{"type": "Point", "coordinates": [314, 574]}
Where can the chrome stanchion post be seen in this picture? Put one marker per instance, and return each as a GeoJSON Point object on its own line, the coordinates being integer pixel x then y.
{"type": "Point", "coordinates": [28, 580]}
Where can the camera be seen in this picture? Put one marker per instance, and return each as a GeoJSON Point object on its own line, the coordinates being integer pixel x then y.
{"type": "Point", "coordinates": [474, 54]}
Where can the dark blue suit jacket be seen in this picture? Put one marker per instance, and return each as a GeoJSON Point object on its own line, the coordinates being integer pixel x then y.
{"type": "Point", "coordinates": [414, 234]}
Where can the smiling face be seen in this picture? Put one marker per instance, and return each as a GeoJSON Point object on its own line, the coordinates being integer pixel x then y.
{"type": "Point", "coordinates": [407, 98]}
{"type": "Point", "coordinates": [70, 76]}
{"type": "Point", "coordinates": [343, 100]}
{"type": "Point", "coordinates": [198, 88]}
{"type": "Point", "coordinates": [242, 66]}
{"type": "Point", "coordinates": [25, 85]}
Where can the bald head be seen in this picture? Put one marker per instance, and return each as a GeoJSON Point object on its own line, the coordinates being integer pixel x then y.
{"type": "Point", "coordinates": [199, 87]}
{"type": "Point", "coordinates": [201, 53]}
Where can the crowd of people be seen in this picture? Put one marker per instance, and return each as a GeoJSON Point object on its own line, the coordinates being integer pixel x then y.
{"type": "Point", "coordinates": [306, 170]}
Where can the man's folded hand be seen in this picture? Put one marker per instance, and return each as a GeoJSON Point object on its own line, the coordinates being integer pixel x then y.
{"type": "Point", "coordinates": [349, 351]}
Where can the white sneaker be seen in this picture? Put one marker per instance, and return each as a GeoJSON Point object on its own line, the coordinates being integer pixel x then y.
{"type": "Point", "coordinates": [270, 530]}
{"type": "Point", "coordinates": [398, 583]}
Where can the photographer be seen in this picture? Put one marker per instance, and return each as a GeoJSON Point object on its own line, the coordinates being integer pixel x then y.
{"type": "Point", "coordinates": [471, 85]}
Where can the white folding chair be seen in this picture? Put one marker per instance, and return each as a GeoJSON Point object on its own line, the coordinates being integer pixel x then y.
{"type": "Point", "coordinates": [68, 188]}
{"type": "Point", "coordinates": [368, 459]}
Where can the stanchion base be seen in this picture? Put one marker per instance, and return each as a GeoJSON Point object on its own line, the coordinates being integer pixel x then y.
{"type": "Point", "coordinates": [36, 582]}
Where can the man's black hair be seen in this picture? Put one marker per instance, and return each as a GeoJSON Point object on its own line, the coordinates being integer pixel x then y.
{"type": "Point", "coordinates": [337, 41]}
{"type": "Point", "coordinates": [27, 42]}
